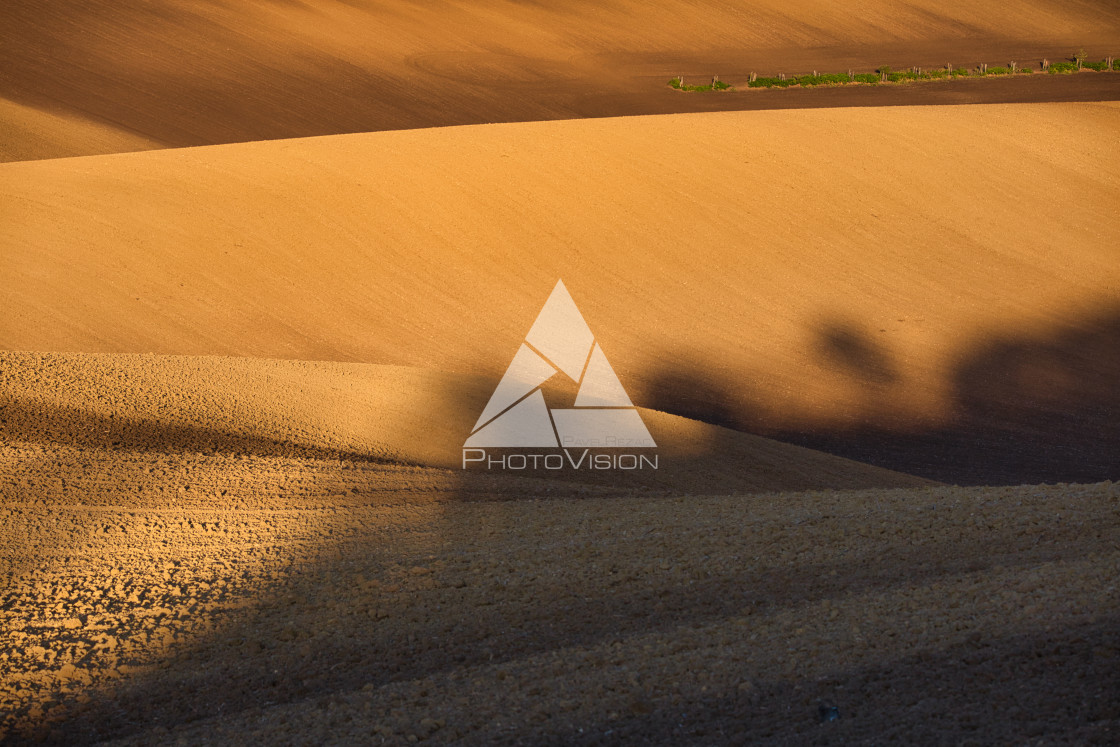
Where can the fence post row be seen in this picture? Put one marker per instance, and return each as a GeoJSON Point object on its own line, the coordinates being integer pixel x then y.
{"type": "Point", "coordinates": [982, 69]}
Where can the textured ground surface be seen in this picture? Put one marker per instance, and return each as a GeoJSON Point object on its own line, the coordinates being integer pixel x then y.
{"type": "Point", "coordinates": [932, 289]}
{"type": "Point", "coordinates": [325, 614]}
{"type": "Point", "coordinates": [177, 527]}
{"type": "Point", "coordinates": [132, 74]}
{"type": "Point", "coordinates": [234, 380]}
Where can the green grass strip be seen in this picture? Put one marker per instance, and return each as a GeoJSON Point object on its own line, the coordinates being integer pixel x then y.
{"type": "Point", "coordinates": [885, 75]}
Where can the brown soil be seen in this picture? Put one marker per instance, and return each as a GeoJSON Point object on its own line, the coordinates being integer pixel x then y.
{"type": "Point", "coordinates": [226, 598]}
{"type": "Point", "coordinates": [129, 75]}
{"type": "Point", "coordinates": [932, 289]}
{"type": "Point", "coordinates": [235, 380]}
{"type": "Point", "coordinates": [380, 415]}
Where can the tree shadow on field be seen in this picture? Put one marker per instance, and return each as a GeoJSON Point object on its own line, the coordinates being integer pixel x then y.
{"type": "Point", "coordinates": [1057, 687]}
{"type": "Point", "coordinates": [81, 475]}
{"type": "Point", "coordinates": [850, 348]}
{"type": "Point", "coordinates": [1028, 408]}
{"type": "Point", "coordinates": [684, 386]}
{"type": "Point", "coordinates": [127, 521]}
{"type": "Point", "coordinates": [32, 421]}
{"type": "Point", "coordinates": [361, 615]}
{"type": "Point", "coordinates": [356, 607]}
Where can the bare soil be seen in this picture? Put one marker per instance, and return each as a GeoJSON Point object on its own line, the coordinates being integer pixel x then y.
{"type": "Point", "coordinates": [234, 380]}
{"type": "Point", "coordinates": [930, 289]}
{"type": "Point", "coordinates": [130, 75]}
{"type": "Point", "coordinates": [243, 598]}
{"type": "Point", "coordinates": [209, 550]}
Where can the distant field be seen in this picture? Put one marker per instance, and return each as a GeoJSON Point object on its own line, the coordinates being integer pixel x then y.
{"type": "Point", "coordinates": [131, 75]}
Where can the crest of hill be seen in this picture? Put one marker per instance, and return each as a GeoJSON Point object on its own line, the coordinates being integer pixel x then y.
{"type": "Point", "coordinates": [355, 413]}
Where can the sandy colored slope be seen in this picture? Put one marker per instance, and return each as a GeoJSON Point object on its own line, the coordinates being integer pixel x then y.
{"type": "Point", "coordinates": [188, 73]}
{"type": "Point", "coordinates": [351, 412]}
{"type": "Point", "coordinates": [28, 133]}
{"type": "Point", "coordinates": [882, 273]}
{"type": "Point", "coordinates": [286, 613]}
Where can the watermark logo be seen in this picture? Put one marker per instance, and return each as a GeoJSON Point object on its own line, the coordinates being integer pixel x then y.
{"type": "Point", "coordinates": [560, 344]}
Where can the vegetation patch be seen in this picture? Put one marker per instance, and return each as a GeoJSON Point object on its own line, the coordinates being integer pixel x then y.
{"type": "Point", "coordinates": [716, 85]}
{"type": "Point", "coordinates": [885, 74]}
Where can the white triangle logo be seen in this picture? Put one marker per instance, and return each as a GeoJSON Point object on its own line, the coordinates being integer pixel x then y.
{"type": "Point", "coordinates": [560, 342]}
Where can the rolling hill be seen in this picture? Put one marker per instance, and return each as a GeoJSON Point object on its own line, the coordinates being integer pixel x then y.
{"type": "Point", "coordinates": [876, 282]}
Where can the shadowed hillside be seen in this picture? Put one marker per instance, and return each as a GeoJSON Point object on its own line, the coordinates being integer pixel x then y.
{"type": "Point", "coordinates": [1023, 408]}
{"type": "Point", "coordinates": [863, 280]}
{"type": "Point", "coordinates": [130, 74]}
{"type": "Point", "coordinates": [167, 408]}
